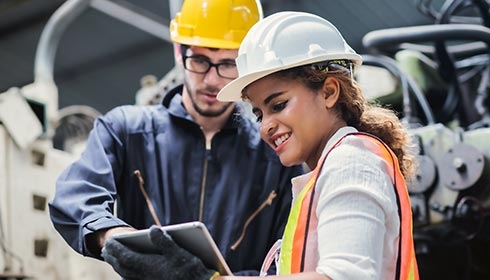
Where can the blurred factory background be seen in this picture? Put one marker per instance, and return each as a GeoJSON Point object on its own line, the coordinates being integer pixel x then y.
{"type": "Point", "coordinates": [101, 58]}
{"type": "Point", "coordinates": [62, 63]}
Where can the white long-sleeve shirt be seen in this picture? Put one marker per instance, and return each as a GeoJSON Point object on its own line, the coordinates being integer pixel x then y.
{"type": "Point", "coordinates": [358, 225]}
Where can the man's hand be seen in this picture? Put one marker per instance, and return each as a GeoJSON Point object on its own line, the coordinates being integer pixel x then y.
{"type": "Point", "coordinates": [171, 261]}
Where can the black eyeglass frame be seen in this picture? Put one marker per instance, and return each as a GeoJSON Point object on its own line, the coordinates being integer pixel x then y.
{"type": "Point", "coordinates": [210, 64]}
{"type": "Point", "coordinates": [335, 64]}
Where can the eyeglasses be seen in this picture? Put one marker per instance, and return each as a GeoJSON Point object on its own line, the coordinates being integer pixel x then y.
{"type": "Point", "coordinates": [330, 65]}
{"type": "Point", "coordinates": [201, 66]}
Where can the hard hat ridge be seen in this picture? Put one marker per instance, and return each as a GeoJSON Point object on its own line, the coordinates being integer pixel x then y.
{"type": "Point", "coordinates": [285, 40]}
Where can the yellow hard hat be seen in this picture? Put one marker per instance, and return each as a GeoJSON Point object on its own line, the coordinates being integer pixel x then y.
{"type": "Point", "coordinates": [214, 23]}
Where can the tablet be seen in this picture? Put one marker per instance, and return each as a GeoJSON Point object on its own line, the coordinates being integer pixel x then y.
{"type": "Point", "coordinates": [192, 236]}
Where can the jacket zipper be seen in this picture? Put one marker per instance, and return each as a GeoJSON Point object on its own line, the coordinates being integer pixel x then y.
{"type": "Point", "coordinates": [203, 188]}
{"type": "Point", "coordinates": [268, 201]}
{"type": "Point", "coordinates": [203, 180]}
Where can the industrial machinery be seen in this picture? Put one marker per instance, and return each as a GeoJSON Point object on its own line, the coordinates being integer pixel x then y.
{"type": "Point", "coordinates": [442, 72]}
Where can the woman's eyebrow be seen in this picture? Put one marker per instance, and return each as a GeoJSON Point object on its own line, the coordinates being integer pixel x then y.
{"type": "Point", "coordinates": [271, 97]}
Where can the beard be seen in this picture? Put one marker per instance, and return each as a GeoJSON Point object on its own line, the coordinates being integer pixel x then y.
{"type": "Point", "coordinates": [209, 112]}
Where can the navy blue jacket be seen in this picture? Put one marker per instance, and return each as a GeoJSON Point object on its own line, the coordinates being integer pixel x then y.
{"type": "Point", "coordinates": [224, 187]}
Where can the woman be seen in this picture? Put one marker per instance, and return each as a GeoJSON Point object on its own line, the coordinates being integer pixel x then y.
{"type": "Point", "coordinates": [351, 216]}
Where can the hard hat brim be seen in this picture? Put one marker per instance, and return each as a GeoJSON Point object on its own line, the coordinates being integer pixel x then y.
{"type": "Point", "coordinates": [233, 91]}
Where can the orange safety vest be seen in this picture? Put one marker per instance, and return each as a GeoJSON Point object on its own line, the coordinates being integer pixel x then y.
{"type": "Point", "coordinates": [292, 253]}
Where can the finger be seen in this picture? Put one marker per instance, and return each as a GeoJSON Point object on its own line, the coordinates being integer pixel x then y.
{"type": "Point", "coordinates": [125, 257]}
{"type": "Point", "coordinates": [120, 268]}
{"type": "Point", "coordinates": [161, 239]}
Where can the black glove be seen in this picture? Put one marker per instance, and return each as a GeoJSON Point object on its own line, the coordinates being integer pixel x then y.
{"type": "Point", "coordinates": [171, 261]}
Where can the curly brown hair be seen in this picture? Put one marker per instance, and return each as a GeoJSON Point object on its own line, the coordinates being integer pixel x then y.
{"type": "Point", "coordinates": [365, 116]}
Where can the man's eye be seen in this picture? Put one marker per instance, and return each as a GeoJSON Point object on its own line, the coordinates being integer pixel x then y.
{"type": "Point", "coordinates": [228, 65]}
{"type": "Point", "coordinates": [279, 106]}
{"type": "Point", "coordinates": [200, 61]}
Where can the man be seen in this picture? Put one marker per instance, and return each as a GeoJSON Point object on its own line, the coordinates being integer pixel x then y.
{"type": "Point", "coordinates": [190, 158]}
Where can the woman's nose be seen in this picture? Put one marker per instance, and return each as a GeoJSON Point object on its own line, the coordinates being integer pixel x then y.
{"type": "Point", "coordinates": [268, 126]}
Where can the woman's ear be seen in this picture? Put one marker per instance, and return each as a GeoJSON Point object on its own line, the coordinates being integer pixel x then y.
{"type": "Point", "coordinates": [331, 91]}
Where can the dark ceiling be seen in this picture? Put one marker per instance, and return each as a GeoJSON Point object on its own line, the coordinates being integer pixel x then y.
{"type": "Point", "coordinates": [100, 59]}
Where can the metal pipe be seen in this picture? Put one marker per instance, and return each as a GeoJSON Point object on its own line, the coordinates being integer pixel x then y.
{"type": "Point", "coordinates": [380, 40]}
{"type": "Point", "coordinates": [135, 16]}
{"type": "Point", "coordinates": [50, 37]}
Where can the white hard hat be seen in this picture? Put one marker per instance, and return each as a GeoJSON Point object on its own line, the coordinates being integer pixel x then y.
{"type": "Point", "coordinates": [285, 40]}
